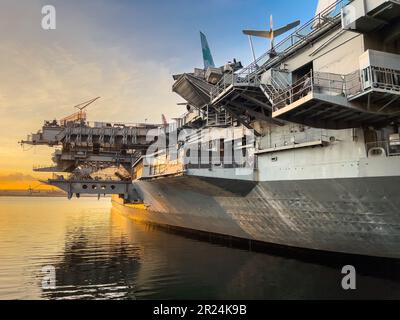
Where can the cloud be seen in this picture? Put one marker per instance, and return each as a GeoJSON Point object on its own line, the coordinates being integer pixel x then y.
{"type": "Point", "coordinates": [45, 73]}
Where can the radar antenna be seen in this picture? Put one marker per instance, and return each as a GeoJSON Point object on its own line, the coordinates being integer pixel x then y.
{"type": "Point", "coordinates": [80, 115]}
{"type": "Point", "coordinates": [270, 34]}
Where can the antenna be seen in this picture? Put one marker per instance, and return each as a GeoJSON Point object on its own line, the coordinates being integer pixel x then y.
{"type": "Point", "coordinates": [271, 33]}
{"type": "Point", "coordinates": [84, 105]}
{"type": "Point", "coordinates": [271, 28]}
{"type": "Point", "coordinates": [80, 115]}
{"type": "Point", "coordinates": [252, 48]}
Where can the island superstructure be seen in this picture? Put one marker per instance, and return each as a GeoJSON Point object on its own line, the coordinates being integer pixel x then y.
{"type": "Point", "coordinates": [314, 121]}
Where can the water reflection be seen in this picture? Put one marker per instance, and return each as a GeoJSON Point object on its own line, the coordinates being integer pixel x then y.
{"type": "Point", "coordinates": [98, 263]}
{"type": "Point", "coordinates": [100, 254]}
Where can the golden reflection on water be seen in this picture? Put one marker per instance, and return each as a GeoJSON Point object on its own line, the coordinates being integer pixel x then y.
{"type": "Point", "coordinates": [35, 232]}
{"type": "Point", "coordinates": [100, 254]}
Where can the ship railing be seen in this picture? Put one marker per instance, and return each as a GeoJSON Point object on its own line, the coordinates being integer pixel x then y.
{"type": "Point", "coordinates": [332, 84]}
{"type": "Point", "coordinates": [220, 165]}
{"type": "Point", "coordinates": [386, 79]}
{"type": "Point", "coordinates": [329, 83]}
{"type": "Point", "coordinates": [327, 17]}
{"type": "Point", "coordinates": [165, 168]}
{"type": "Point", "coordinates": [372, 78]}
{"type": "Point", "coordinates": [216, 118]}
{"type": "Point", "coordinates": [162, 163]}
{"type": "Point", "coordinates": [299, 89]}
{"type": "Point", "coordinates": [76, 117]}
{"type": "Point", "coordinates": [42, 166]}
{"type": "Point", "coordinates": [324, 20]}
{"type": "Point", "coordinates": [245, 78]}
{"type": "Point", "coordinates": [77, 178]}
{"type": "Point", "coordinates": [353, 83]}
{"type": "Point", "coordinates": [320, 82]}
{"type": "Point", "coordinates": [103, 124]}
{"type": "Point", "coordinates": [382, 149]}
{"type": "Point", "coordinates": [187, 118]}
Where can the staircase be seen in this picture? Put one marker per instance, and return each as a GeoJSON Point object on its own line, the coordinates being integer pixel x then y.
{"type": "Point", "coordinates": [217, 117]}
{"type": "Point", "coordinates": [269, 92]}
{"type": "Point", "coordinates": [277, 90]}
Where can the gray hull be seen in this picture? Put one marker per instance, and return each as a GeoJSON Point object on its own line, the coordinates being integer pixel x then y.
{"type": "Point", "coordinates": [355, 215]}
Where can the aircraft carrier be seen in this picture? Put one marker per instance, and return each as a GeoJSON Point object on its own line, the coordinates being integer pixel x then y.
{"type": "Point", "coordinates": [300, 148]}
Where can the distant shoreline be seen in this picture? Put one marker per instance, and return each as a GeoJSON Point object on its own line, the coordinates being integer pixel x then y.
{"type": "Point", "coordinates": [33, 195]}
{"type": "Point", "coordinates": [43, 194]}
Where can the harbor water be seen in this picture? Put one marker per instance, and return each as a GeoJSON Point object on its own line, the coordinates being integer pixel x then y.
{"type": "Point", "coordinates": [96, 253]}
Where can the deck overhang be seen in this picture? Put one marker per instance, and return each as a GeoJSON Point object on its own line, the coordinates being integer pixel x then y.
{"type": "Point", "coordinates": [194, 90]}
{"type": "Point", "coordinates": [92, 187]}
{"type": "Point", "coordinates": [246, 103]}
{"type": "Point", "coordinates": [329, 112]}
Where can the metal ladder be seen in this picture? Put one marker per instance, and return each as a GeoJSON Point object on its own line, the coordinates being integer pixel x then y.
{"type": "Point", "coordinates": [275, 90]}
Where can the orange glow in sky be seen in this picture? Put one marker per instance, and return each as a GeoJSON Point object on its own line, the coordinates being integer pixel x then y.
{"type": "Point", "coordinates": [44, 73]}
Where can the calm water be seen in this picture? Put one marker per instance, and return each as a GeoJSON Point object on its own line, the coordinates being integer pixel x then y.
{"type": "Point", "coordinates": [98, 254]}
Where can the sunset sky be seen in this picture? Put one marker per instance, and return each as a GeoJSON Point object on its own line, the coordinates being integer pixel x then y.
{"type": "Point", "coordinates": [124, 51]}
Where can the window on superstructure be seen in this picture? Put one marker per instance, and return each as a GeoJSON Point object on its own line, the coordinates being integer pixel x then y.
{"type": "Point", "coordinates": [366, 77]}
{"type": "Point", "coordinates": [222, 150]}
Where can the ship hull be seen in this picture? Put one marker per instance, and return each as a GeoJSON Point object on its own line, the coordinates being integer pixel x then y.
{"type": "Point", "coordinates": [355, 215]}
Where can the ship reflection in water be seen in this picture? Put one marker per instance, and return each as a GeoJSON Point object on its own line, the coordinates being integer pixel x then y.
{"type": "Point", "coordinates": [103, 255]}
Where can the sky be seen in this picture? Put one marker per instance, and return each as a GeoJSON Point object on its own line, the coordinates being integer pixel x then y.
{"type": "Point", "coordinates": [124, 51]}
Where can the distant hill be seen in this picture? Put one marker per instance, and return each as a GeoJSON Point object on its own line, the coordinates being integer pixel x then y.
{"type": "Point", "coordinates": [19, 181]}
{"type": "Point", "coordinates": [42, 193]}
{"type": "Point", "coordinates": [33, 193]}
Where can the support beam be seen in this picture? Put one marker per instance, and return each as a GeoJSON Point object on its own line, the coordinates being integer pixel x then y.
{"type": "Point", "coordinates": [305, 110]}
{"type": "Point", "coordinates": [243, 122]}
{"type": "Point", "coordinates": [96, 187]}
{"type": "Point", "coordinates": [337, 114]}
{"type": "Point", "coordinates": [342, 115]}
{"type": "Point", "coordinates": [257, 102]}
{"type": "Point", "coordinates": [256, 114]}
{"type": "Point", "coordinates": [389, 103]}
{"type": "Point", "coordinates": [323, 111]}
